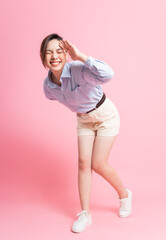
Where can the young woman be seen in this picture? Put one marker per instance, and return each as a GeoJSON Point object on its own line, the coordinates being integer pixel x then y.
{"type": "Point", "coordinates": [76, 84]}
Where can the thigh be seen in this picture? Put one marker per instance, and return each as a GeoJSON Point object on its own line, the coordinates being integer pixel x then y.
{"type": "Point", "coordinates": [107, 119]}
{"type": "Point", "coordinates": [85, 125]}
{"type": "Point", "coordinates": [85, 148]}
{"type": "Point", "coordinates": [102, 148]}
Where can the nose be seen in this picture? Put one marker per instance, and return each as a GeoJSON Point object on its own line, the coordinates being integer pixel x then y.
{"type": "Point", "coordinates": [54, 55]}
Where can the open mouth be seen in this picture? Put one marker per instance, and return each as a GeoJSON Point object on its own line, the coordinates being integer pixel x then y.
{"type": "Point", "coordinates": [55, 63]}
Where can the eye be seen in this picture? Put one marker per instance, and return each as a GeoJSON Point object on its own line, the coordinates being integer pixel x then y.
{"type": "Point", "coordinates": [48, 52]}
{"type": "Point", "coordinates": [60, 51]}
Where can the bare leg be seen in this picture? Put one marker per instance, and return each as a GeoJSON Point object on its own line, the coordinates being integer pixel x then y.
{"type": "Point", "coordinates": [85, 148]}
{"type": "Point", "coordinates": [101, 151]}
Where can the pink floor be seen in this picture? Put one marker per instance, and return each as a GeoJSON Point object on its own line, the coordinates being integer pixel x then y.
{"type": "Point", "coordinates": [34, 219]}
{"type": "Point", "coordinates": [38, 202]}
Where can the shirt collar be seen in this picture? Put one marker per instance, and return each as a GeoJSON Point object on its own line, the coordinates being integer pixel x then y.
{"type": "Point", "coordinates": [66, 73]}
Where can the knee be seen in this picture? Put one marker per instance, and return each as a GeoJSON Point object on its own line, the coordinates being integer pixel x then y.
{"type": "Point", "coordinates": [84, 163]}
{"type": "Point", "coordinates": [97, 167]}
{"type": "Point", "coordinates": [101, 167]}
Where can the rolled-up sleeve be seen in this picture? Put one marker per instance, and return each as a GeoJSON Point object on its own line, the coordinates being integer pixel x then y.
{"type": "Point", "coordinates": [96, 72]}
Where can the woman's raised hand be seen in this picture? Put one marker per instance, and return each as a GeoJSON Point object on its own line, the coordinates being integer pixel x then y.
{"type": "Point", "coordinates": [72, 50]}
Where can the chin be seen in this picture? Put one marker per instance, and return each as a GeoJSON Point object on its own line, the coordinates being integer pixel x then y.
{"type": "Point", "coordinates": [56, 68]}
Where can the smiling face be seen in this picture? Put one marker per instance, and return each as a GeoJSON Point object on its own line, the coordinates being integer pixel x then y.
{"type": "Point", "coordinates": [55, 57]}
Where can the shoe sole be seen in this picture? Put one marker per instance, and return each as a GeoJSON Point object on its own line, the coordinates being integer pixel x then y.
{"type": "Point", "coordinates": [125, 216]}
{"type": "Point", "coordinates": [83, 229]}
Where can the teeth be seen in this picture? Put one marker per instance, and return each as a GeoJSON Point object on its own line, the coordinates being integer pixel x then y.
{"type": "Point", "coordinates": [55, 63]}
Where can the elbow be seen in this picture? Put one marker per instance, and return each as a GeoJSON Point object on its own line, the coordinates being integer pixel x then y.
{"type": "Point", "coordinates": [111, 74]}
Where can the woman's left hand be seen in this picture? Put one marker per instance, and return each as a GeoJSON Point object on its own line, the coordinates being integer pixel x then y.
{"type": "Point", "coordinates": [72, 50]}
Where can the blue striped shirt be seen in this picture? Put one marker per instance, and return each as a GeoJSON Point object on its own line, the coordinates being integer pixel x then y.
{"type": "Point", "coordinates": [80, 88]}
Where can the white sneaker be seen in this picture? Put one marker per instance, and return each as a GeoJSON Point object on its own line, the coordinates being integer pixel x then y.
{"type": "Point", "coordinates": [82, 222]}
{"type": "Point", "coordinates": [125, 205]}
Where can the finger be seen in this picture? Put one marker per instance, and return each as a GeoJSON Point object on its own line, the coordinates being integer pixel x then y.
{"type": "Point", "coordinates": [62, 46]}
{"type": "Point", "coordinates": [67, 44]}
{"type": "Point", "coordinates": [61, 43]}
{"type": "Point", "coordinates": [64, 43]}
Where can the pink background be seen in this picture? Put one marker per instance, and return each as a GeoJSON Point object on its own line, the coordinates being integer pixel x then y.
{"type": "Point", "coordinates": [38, 172]}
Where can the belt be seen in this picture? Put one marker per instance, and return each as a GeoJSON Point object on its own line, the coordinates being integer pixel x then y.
{"type": "Point", "coordinates": [99, 103]}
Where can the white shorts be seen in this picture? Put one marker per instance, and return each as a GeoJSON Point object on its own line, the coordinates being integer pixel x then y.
{"type": "Point", "coordinates": [103, 121]}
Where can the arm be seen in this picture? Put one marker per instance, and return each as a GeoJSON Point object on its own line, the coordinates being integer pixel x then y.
{"type": "Point", "coordinates": [93, 71]}
{"type": "Point", "coordinates": [74, 53]}
{"type": "Point", "coordinates": [96, 71]}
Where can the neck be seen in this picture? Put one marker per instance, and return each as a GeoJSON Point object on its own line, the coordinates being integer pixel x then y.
{"type": "Point", "coordinates": [55, 78]}
{"type": "Point", "coordinates": [56, 75]}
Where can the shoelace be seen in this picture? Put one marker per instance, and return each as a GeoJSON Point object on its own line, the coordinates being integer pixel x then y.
{"type": "Point", "coordinates": [123, 205]}
{"type": "Point", "coordinates": [81, 215]}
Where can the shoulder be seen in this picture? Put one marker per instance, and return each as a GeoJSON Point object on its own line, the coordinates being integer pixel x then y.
{"type": "Point", "coordinates": [45, 82]}
{"type": "Point", "coordinates": [47, 79]}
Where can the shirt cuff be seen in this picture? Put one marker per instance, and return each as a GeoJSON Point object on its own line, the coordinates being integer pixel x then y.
{"type": "Point", "coordinates": [89, 62]}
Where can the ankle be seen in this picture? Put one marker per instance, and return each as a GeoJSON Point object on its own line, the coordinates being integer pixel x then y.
{"type": "Point", "coordinates": [123, 194]}
{"type": "Point", "coordinates": [88, 210]}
